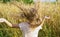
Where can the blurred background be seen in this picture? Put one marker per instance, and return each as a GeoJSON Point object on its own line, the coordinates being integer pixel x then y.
{"type": "Point", "coordinates": [12, 13]}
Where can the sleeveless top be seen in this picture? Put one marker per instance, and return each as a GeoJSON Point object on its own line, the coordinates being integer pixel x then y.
{"type": "Point", "coordinates": [27, 32]}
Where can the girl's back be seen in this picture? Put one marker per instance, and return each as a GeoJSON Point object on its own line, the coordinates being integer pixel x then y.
{"type": "Point", "coordinates": [27, 31]}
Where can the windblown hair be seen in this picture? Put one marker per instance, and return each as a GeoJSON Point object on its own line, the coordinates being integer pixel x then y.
{"type": "Point", "coordinates": [31, 14]}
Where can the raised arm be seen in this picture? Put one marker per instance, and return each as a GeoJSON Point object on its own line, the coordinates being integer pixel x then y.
{"type": "Point", "coordinates": [8, 23]}
{"type": "Point", "coordinates": [42, 22]}
{"type": "Point", "coordinates": [40, 26]}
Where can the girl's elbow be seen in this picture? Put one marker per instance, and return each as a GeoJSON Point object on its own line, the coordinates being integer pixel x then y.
{"type": "Point", "coordinates": [15, 26]}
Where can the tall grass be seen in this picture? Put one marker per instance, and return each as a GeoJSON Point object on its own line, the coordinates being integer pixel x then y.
{"type": "Point", "coordinates": [51, 27]}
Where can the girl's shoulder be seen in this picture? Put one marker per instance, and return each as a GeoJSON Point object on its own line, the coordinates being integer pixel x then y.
{"type": "Point", "coordinates": [24, 24]}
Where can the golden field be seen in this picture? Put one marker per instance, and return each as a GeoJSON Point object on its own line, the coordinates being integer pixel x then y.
{"type": "Point", "coordinates": [11, 12]}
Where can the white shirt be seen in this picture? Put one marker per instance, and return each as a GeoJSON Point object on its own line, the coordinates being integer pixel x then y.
{"type": "Point", "coordinates": [27, 32]}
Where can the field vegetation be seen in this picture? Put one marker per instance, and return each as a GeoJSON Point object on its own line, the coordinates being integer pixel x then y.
{"type": "Point", "coordinates": [12, 13]}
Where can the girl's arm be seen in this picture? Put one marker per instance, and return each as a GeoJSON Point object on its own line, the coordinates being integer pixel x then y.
{"type": "Point", "coordinates": [8, 23]}
{"type": "Point", "coordinates": [45, 18]}
{"type": "Point", "coordinates": [40, 26]}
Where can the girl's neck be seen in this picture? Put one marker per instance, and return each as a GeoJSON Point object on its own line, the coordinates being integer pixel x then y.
{"type": "Point", "coordinates": [32, 27]}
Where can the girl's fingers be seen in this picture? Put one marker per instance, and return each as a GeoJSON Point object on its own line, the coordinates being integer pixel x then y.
{"type": "Point", "coordinates": [2, 19]}
{"type": "Point", "coordinates": [47, 17]}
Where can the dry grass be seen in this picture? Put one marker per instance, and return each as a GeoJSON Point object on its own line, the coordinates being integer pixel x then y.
{"type": "Point", "coordinates": [51, 28]}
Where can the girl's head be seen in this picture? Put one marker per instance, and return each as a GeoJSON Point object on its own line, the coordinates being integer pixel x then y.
{"type": "Point", "coordinates": [32, 17]}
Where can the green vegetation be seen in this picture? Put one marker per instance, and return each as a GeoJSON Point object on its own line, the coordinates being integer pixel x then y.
{"type": "Point", "coordinates": [51, 27]}
{"type": "Point", "coordinates": [25, 1]}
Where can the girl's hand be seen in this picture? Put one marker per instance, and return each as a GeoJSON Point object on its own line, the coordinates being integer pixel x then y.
{"type": "Point", "coordinates": [47, 17]}
{"type": "Point", "coordinates": [2, 20]}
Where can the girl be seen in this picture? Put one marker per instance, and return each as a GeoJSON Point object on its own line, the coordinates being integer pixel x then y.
{"type": "Point", "coordinates": [29, 29]}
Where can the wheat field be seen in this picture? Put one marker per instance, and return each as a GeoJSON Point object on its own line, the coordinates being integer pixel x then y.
{"type": "Point", "coordinates": [10, 12]}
